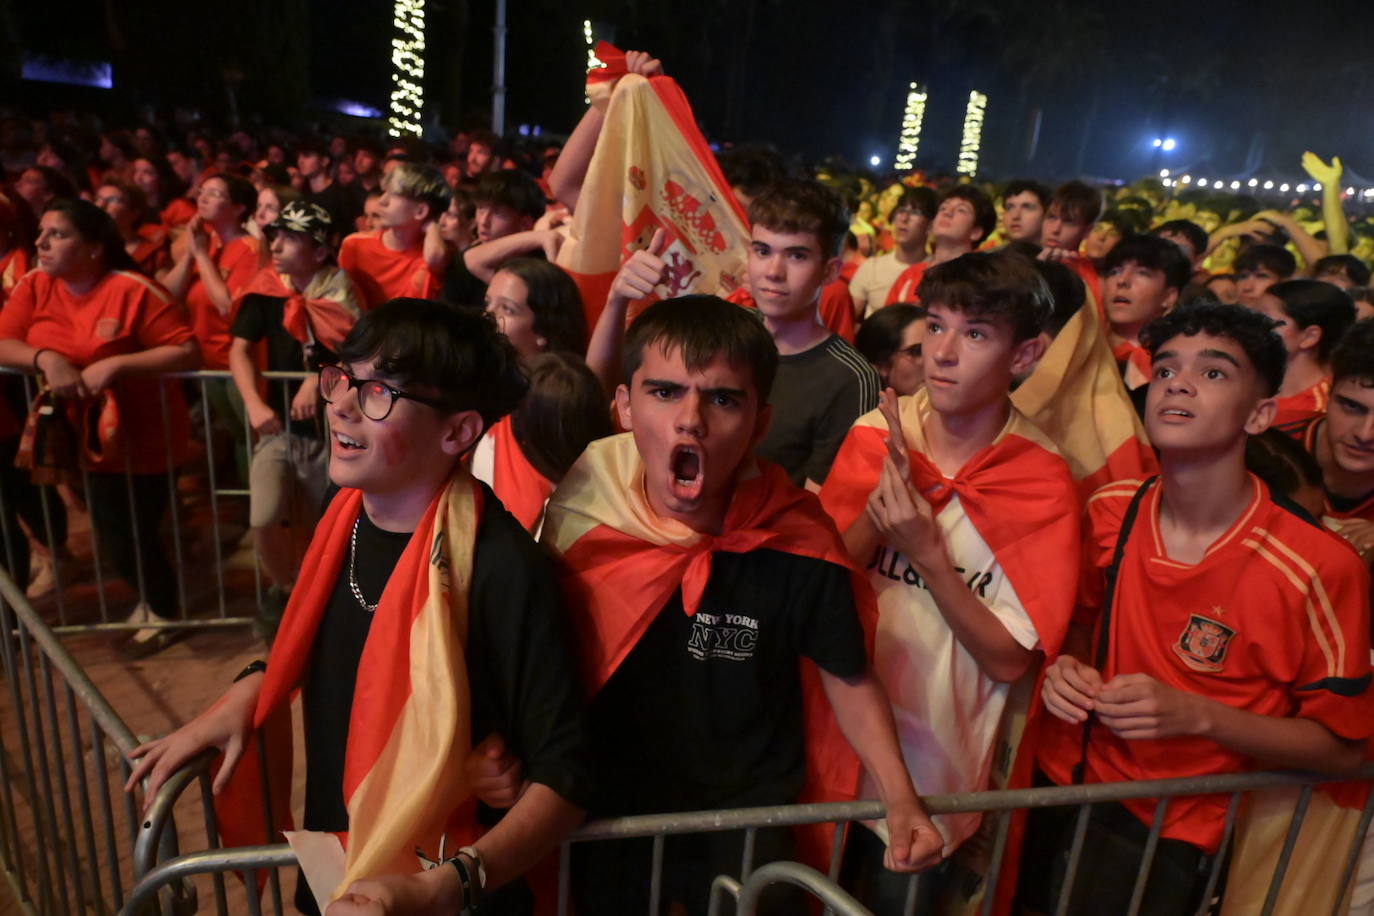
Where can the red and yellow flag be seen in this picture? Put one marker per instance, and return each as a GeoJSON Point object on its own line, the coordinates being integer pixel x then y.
{"type": "Point", "coordinates": [329, 306]}
{"type": "Point", "coordinates": [516, 482]}
{"type": "Point", "coordinates": [621, 563]}
{"type": "Point", "coordinates": [410, 727]}
{"type": "Point", "coordinates": [652, 169]}
{"type": "Point", "coordinates": [1076, 397]}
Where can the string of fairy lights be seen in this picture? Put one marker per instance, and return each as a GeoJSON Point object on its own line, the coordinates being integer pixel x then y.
{"type": "Point", "coordinates": [1253, 184]}
{"type": "Point", "coordinates": [973, 133]}
{"type": "Point", "coordinates": [408, 68]}
{"type": "Point", "coordinates": [909, 140]}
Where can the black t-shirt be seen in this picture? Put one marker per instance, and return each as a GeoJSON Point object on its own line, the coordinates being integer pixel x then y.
{"type": "Point", "coordinates": [705, 712]}
{"type": "Point", "coordinates": [260, 318]}
{"type": "Point", "coordinates": [817, 396]}
{"type": "Point", "coordinates": [520, 671]}
{"type": "Point", "coordinates": [461, 287]}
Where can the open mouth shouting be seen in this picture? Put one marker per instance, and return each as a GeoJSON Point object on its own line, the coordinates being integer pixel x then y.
{"type": "Point", "coordinates": [687, 472]}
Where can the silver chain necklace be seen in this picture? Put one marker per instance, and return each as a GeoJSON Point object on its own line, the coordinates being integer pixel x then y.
{"type": "Point", "coordinates": [353, 569]}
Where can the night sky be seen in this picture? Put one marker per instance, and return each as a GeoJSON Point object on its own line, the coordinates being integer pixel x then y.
{"type": "Point", "coordinates": [1244, 88]}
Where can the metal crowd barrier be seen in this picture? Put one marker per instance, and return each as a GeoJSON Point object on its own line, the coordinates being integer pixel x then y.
{"type": "Point", "coordinates": [750, 882]}
{"type": "Point", "coordinates": [218, 580]}
{"type": "Point", "coordinates": [67, 829]}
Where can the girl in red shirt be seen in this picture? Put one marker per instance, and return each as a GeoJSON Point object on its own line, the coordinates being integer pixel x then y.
{"type": "Point", "coordinates": [90, 325]}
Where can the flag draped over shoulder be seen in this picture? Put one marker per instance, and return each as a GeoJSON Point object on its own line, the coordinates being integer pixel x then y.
{"type": "Point", "coordinates": [620, 563]}
{"type": "Point", "coordinates": [409, 730]}
{"type": "Point", "coordinates": [1021, 498]}
{"type": "Point", "coordinates": [329, 306]}
{"type": "Point", "coordinates": [516, 482]}
{"type": "Point", "coordinates": [1075, 396]}
{"type": "Point", "coordinates": [651, 169]}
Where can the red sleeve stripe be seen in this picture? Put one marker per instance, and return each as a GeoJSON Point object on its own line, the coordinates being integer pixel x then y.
{"type": "Point", "coordinates": [1325, 627]}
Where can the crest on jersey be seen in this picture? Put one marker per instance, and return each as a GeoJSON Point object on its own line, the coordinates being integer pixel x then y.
{"type": "Point", "coordinates": [1203, 643]}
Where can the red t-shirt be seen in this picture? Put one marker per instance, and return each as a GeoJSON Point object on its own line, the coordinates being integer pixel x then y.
{"type": "Point", "coordinates": [152, 253]}
{"type": "Point", "coordinates": [382, 274]}
{"type": "Point", "coordinates": [1274, 620]}
{"type": "Point", "coordinates": [13, 266]}
{"type": "Point", "coordinates": [177, 213]}
{"type": "Point", "coordinates": [1295, 409]}
{"type": "Point", "coordinates": [238, 264]}
{"type": "Point", "coordinates": [904, 289]}
{"type": "Point", "coordinates": [1363, 508]}
{"type": "Point", "coordinates": [124, 313]}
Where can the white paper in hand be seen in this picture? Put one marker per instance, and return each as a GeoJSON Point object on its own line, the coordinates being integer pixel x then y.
{"type": "Point", "coordinates": [321, 858]}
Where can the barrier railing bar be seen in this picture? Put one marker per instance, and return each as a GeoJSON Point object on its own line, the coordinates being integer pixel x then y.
{"type": "Point", "coordinates": [656, 876]}
{"type": "Point", "coordinates": [257, 561]}
{"type": "Point", "coordinates": [913, 890]}
{"type": "Point", "coordinates": [96, 565]}
{"type": "Point", "coordinates": [211, 624]}
{"type": "Point", "coordinates": [11, 813]}
{"type": "Point", "coordinates": [1352, 860]}
{"type": "Point", "coordinates": [802, 876]}
{"type": "Point", "coordinates": [44, 494]}
{"type": "Point", "coordinates": [44, 872]}
{"type": "Point", "coordinates": [172, 500]}
{"type": "Point", "coordinates": [207, 801]}
{"type": "Point", "coordinates": [53, 837]}
{"type": "Point", "coordinates": [564, 876]}
{"type": "Point", "coordinates": [747, 865]}
{"type": "Point", "coordinates": [84, 793]}
{"type": "Point", "coordinates": [102, 778]}
{"type": "Point", "coordinates": [999, 849]}
{"type": "Point", "coordinates": [64, 797]}
{"type": "Point", "coordinates": [273, 879]}
{"type": "Point", "coordinates": [722, 886]}
{"type": "Point", "coordinates": [214, 501]}
{"type": "Point", "coordinates": [1080, 832]}
{"type": "Point", "coordinates": [252, 893]}
{"type": "Point", "coordinates": [1147, 858]}
{"type": "Point", "coordinates": [1227, 830]}
{"type": "Point", "coordinates": [836, 851]}
{"type": "Point", "coordinates": [86, 691]}
{"type": "Point", "coordinates": [1289, 841]}
{"type": "Point", "coordinates": [139, 547]}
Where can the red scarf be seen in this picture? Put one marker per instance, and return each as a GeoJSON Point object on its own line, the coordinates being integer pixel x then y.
{"type": "Point", "coordinates": [409, 729]}
{"type": "Point", "coordinates": [621, 563]}
{"type": "Point", "coordinates": [328, 306]}
{"type": "Point", "coordinates": [516, 482]}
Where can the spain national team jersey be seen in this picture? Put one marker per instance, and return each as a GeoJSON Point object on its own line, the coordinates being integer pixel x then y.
{"type": "Point", "coordinates": [1336, 510]}
{"type": "Point", "coordinates": [1297, 409]}
{"type": "Point", "coordinates": [904, 289]}
{"type": "Point", "coordinates": [238, 264]}
{"type": "Point", "coordinates": [381, 273]}
{"type": "Point", "coordinates": [1273, 620]}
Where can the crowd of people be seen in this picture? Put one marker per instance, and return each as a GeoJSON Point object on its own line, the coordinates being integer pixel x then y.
{"type": "Point", "coordinates": [961, 486]}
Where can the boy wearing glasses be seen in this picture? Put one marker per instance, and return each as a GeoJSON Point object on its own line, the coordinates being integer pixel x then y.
{"type": "Point", "coordinates": [296, 313]}
{"type": "Point", "coordinates": [409, 639]}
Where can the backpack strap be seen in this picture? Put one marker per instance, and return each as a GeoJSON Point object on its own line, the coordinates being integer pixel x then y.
{"type": "Point", "coordinates": [1105, 621]}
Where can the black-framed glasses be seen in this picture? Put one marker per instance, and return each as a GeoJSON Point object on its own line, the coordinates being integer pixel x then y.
{"type": "Point", "coordinates": [375, 397]}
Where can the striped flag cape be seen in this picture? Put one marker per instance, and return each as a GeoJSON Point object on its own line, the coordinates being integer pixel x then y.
{"type": "Point", "coordinates": [329, 306]}
{"type": "Point", "coordinates": [410, 727]}
{"type": "Point", "coordinates": [1075, 395]}
{"type": "Point", "coordinates": [620, 564]}
{"type": "Point", "coordinates": [1020, 497]}
{"type": "Point", "coordinates": [652, 169]}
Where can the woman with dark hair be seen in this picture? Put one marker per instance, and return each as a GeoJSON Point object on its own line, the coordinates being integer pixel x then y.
{"type": "Point", "coordinates": [1312, 317]}
{"type": "Point", "coordinates": [146, 242]}
{"type": "Point", "coordinates": [40, 185]}
{"type": "Point", "coordinates": [538, 308]}
{"type": "Point", "coordinates": [217, 264]}
{"type": "Point", "coordinates": [890, 339]}
{"type": "Point", "coordinates": [162, 190]}
{"type": "Point", "coordinates": [98, 333]}
{"type": "Point", "coordinates": [16, 242]}
{"type": "Point", "coordinates": [524, 455]}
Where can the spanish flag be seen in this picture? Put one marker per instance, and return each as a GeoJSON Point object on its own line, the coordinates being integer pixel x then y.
{"type": "Point", "coordinates": [409, 730]}
{"type": "Point", "coordinates": [621, 563]}
{"type": "Point", "coordinates": [516, 482]}
{"type": "Point", "coordinates": [1075, 395]}
{"type": "Point", "coordinates": [1019, 495]}
{"type": "Point", "coordinates": [329, 306]}
{"type": "Point", "coordinates": [652, 168]}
